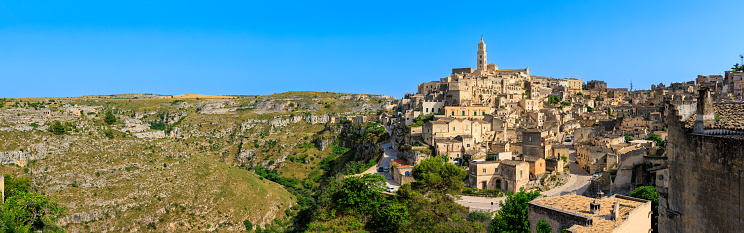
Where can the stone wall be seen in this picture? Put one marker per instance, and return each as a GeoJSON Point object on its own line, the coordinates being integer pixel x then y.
{"type": "Point", "coordinates": [557, 219]}
{"type": "Point", "coordinates": [706, 181]}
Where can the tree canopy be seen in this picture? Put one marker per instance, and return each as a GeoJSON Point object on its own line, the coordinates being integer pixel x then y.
{"type": "Point", "coordinates": [435, 175]}
{"type": "Point", "coordinates": [27, 211]}
{"type": "Point", "coordinates": [109, 118]}
{"type": "Point", "coordinates": [512, 217]}
{"type": "Point", "coordinates": [649, 193]}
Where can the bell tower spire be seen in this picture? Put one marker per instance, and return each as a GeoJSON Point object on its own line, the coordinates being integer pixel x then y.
{"type": "Point", "coordinates": [482, 56]}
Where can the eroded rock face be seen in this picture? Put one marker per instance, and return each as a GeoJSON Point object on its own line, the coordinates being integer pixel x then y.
{"type": "Point", "coordinates": [245, 155]}
{"type": "Point", "coordinates": [20, 158]}
{"type": "Point", "coordinates": [154, 134]}
{"type": "Point", "coordinates": [324, 142]}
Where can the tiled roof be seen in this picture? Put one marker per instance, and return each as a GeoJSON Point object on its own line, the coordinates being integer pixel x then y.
{"type": "Point", "coordinates": [731, 117]}
{"type": "Point", "coordinates": [580, 205]}
{"type": "Point", "coordinates": [398, 161]}
{"type": "Point", "coordinates": [511, 162]}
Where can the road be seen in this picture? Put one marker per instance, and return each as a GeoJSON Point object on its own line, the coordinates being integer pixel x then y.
{"type": "Point", "coordinates": [385, 162]}
{"type": "Point", "coordinates": [577, 183]}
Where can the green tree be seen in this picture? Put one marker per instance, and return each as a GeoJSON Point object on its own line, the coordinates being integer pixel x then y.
{"type": "Point", "coordinates": [512, 217]}
{"type": "Point", "coordinates": [659, 143]}
{"type": "Point", "coordinates": [737, 68]}
{"type": "Point", "coordinates": [589, 108]}
{"type": "Point", "coordinates": [248, 225]}
{"type": "Point", "coordinates": [57, 128]}
{"type": "Point", "coordinates": [109, 133]}
{"type": "Point", "coordinates": [435, 175]}
{"type": "Point", "coordinates": [554, 99]}
{"type": "Point", "coordinates": [16, 185]}
{"type": "Point", "coordinates": [158, 125]}
{"type": "Point", "coordinates": [543, 227]}
{"type": "Point", "coordinates": [26, 211]}
{"type": "Point", "coordinates": [649, 193]}
{"type": "Point", "coordinates": [109, 118]}
{"type": "Point", "coordinates": [628, 138]}
{"type": "Point", "coordinates": [479, 216]}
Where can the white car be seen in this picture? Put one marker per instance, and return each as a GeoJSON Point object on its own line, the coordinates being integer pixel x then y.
{"type": "Point", "coordinates": [391, 189]}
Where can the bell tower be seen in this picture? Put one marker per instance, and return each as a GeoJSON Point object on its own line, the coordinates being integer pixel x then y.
{"type": "Point", "coordinates": [482, 58]}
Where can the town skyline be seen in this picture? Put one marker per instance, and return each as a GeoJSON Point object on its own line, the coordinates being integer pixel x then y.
{"type": "Point", "coordinates": [221, 50]}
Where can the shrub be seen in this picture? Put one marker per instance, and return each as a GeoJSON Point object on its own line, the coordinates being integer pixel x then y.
{"type": "Point", "coordinates": [248, 225]}
{"type": "Point", "coordinates": [109, 118]}
{"type": "Point", "coordinates": [480, 216]}
{"type": "Point", "coordinates": [57, 128]}
{"type": "Point", "coordinates": [109, 133]}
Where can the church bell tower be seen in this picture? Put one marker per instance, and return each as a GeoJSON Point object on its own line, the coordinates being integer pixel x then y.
{"type": "Point", "coordinates": [482, 58]}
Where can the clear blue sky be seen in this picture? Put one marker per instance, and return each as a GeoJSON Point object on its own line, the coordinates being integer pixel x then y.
{"type": "Point", "coordinates": [66, 48]}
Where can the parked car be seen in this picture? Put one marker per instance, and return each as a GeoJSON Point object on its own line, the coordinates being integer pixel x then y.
{"type": "Point", "coordinates": [568, 139]}
{"type": "Point", "coordinates": [391, 189]}
{"type": "Point", "coordinates": [386, 169]}
{"type": "Point", "coordinates": [380, 169]}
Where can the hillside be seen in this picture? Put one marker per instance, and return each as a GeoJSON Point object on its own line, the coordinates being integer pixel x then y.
{"type": "Point", "coordinates": [178, 164]}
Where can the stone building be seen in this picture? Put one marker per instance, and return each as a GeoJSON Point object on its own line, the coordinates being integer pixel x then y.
{"type": "Point", "coordinates": [703, 189]}
{"type": "Point", "coordinates": [584, 214]}
{"type": "Point", "coordinates": [593, 159]}
{"type": "Point", "coordinates": [596, 84]}
{"type": "Point", "coordinates": [506, 175]}
{"type": "Point", "coordinates": [401, 172]}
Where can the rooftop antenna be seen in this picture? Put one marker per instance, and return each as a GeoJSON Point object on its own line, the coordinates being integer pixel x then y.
{"type": "Point", "coordinates": [631, 85]}
{"type": "Point", "coordinates": [741, 56]}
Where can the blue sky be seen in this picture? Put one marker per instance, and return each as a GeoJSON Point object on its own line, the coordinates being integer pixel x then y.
{"type": "Point", "coordinates": [73, 48]}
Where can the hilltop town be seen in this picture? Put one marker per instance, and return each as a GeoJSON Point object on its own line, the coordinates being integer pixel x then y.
{"type": "Point", "coordinates": [515, 131]}
{"type": "Point", "coordinates": [444, 158]}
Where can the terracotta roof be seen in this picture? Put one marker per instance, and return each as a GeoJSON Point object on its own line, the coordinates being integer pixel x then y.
{"type": "Point", "coordinates": [731, 114]}
{"type": "Point", "coordinates": [398, 161]}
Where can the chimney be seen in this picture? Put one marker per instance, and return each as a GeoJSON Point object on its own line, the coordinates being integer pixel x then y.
{"type": "Point", "coordinates": [616, 210]}
{"type": "Point", "coordinates": [705, 113]}
{"type": "Point", "coordinates": [594, 207]}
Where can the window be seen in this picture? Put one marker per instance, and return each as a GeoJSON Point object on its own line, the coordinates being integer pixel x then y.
{"type": "Point", "coordinates": [427, 109]}
{"type": "Point", "coordinates": [496, 171]}
{"type": "Point", "coordinates": [463, 113]}
{"type": "Point", "coordinates": [483, 113]}
{"type": "Point", "coordinates": [475, 113]}
{"type": "Point", "coordinates": [484, 171]}
{"type": "Point", "coordinates": [453, 113]}
{"type": "Point", "coordinates": [468, 145]}
{"type": "Point", "coordinates": [453, 128]}
{"type": "Point", "coordinates": [520, 174]}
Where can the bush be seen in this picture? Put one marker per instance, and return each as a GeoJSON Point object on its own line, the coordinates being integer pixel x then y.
{"type": "Point", "coordinates": [109, 118]}
{"type": "Point", "coordinates": [57, 128]}
{"type": "Point", "coordinates": [158, 125]}
{"type": "Point", "coordinates": [543, 227]}
{"type": "Point", "coordinates": [248, 225]}
{"type": "Point", "coordinates": [479, 216]}
{"type": "Point", "coordinates": [109, 133]}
